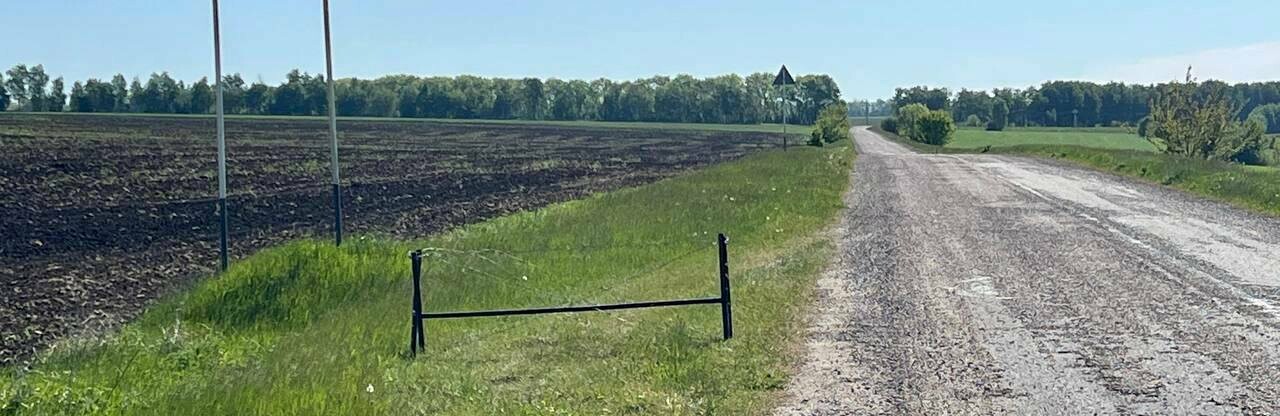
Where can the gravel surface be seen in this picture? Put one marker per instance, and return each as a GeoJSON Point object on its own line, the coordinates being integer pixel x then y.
{"type": "Point", "coordinates": [984, 284]}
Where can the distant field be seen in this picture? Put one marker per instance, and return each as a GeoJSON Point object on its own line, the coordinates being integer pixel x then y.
{"type": "Point", "coordinates": [1100, 138]}
{"type": "Point", "coordinates": [1128, 130]}
{"type": "Point", "coordinates": [755, 128]}
{"type": "Point", "coordinates": [1265, 169]}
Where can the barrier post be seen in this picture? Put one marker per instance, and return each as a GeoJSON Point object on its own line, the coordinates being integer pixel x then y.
{"type": "Point", "coordinates": [417, 337]}
{"type": "Point", "coordinates": [726, 302]}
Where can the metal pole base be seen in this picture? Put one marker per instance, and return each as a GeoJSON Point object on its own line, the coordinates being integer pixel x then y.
{"type": "Point", "coordinates": [222, 234]}
{"type": "Point", "coordinates": [337, 214]}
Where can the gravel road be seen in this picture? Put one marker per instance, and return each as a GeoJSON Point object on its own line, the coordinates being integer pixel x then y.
{"type": "Point", "coordinates": [986, 284]}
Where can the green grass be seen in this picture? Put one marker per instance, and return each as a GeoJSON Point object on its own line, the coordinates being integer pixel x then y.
{"type": "Point", "coordinates": [1053, 129]}
{"type": "Point", "coordinates": [761, 128]}
{"type": "Point", "coordinates": [307, 328]}
{"type": "Point", "coordinates": [1101, 138]}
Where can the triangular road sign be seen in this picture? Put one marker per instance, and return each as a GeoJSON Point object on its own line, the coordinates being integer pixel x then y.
{"type": "Point", "coordinates": [784, 77]}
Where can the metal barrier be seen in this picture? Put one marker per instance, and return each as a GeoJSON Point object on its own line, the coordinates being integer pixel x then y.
{"type": "Point", "coordinates": [417, 336]}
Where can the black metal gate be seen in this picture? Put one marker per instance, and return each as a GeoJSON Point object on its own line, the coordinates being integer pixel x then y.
{"type": "Point", "coordinates": [417, 336]}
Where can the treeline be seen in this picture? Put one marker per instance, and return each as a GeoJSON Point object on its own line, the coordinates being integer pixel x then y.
{"type": "Point", "coordinates": [1075, 103]}
{"type": "Point", "coordinates": [683, 98]}
{"type": "Point", "coordinates": [868, 108]}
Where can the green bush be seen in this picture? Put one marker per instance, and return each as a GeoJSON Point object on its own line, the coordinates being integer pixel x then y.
{"type": "Point", "coordinates": [889, 124]}
{"type": "Point", "coordinates": [1202, 125]}
{"type": "Point", "coordinates": [934, 127]}
{"type": "Point", "coordinates": [832, 125]}
{"type": "Point", "coordinates": [908, 116]}
{"type": "Point", "coordinates": [1269, 116]}
{"type": "Point", "coordinates": [973, 121]}
{"type": "Point", "coordinates": [1144, 126]}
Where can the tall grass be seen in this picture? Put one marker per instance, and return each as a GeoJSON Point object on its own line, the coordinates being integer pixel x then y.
{"type": "Point", "coordinates": [307, 328]}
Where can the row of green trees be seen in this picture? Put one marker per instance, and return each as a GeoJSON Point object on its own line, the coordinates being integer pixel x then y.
{"type": "Point", "coordinates": [1075, 103]}
{"type": "Point", "coordinates": [1268, 116]}
{"type": "Point", "coordinates": [29, 89]}
{"type": "Point", "coordinates": [1206, 120]}
{"type": "Point", "coordinates": [865, 108]}
{"type": "Point", "coordinates": [683, 98]}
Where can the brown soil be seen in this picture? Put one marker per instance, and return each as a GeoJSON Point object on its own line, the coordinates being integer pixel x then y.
{"type": "Point", "coordinates": [100, 215]}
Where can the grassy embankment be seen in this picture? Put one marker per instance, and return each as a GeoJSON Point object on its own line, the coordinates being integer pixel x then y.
{"type": "Point", "coordinates": [1253, 187]}
{"type": "Point", "coordinates": [307, 328]}
{"type": "Point", "coordinates": [792, 130]}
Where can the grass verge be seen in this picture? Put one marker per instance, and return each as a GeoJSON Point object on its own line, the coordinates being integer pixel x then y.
{"type": "Point", "coordinates": [1095, 138]}
{"type": "Point", "coordinates": [307, 328]}
{"type": "Point", "coordinates": [1255, 188]}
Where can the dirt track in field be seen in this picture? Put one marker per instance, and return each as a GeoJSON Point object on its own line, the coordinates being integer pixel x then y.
{"type": "Point", "coordinates": [983, 284]}
{"type": "Point", "coordinates": [100, 215]}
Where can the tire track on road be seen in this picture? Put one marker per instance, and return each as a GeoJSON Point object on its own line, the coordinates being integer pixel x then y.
{"type": "Point", "coordinates": [983, 284]}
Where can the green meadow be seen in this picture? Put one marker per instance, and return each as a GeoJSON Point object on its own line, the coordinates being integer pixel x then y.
{"type": "Point", "coordinates": [1099, 138]}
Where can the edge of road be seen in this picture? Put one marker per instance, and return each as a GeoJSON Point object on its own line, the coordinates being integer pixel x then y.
{"type": "Point", "coordinates": [1251, 190]}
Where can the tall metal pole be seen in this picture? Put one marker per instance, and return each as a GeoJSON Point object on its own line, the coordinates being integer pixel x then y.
{"type": "Point", "coordinates": [333, 132]}
{"type": "Point", "coordinates": [784, 117]}
{"type": "Point", "coordinates": [222, 144]}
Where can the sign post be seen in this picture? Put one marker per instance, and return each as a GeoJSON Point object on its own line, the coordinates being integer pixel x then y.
{"type": "Point", "coordinates": [222, 145]}
{"type": "Point", "coordinates": [783, 80]}
{"type": "Point", "coordinates": [333, 132]}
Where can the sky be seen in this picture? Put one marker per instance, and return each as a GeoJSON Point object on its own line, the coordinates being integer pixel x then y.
{"type": "Point", "coordinates": [869, 47]}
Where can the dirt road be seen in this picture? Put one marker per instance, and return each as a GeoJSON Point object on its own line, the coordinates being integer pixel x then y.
{"type": "Point", "coordinates": [984, 284]}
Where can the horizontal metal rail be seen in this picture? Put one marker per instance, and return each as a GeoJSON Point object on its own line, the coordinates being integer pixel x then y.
{"type": "Point", "coordinates": [566, 309]}
{"type": "Point", "coordinates": [418, 338]}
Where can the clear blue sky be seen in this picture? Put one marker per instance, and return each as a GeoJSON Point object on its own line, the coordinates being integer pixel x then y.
{"type": "Point", "coordinates": [870, 47]}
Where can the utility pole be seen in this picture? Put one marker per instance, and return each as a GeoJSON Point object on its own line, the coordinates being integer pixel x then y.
{"type": "Point", "coordinates": [222, 145]}
{"type": "Point", "coordinates": [867, 113]}
{"type": "Point", "coordinates": [333, 132]}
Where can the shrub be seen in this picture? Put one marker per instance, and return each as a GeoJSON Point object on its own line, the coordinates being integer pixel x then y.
{"type": "Point", "coordinates": [908, 116]}
{"type": "Point", "coordinates": [972, 121]}
{"type": "Point", "coordinates": [1202, 125]}
{"type": "Point", "coordinates": [999, 115]}
{"type": "Point", "coordinates": [1269, 115]}
{"type": "Point", "coordinates": [832, 125]}
{"type": "Point", "coordinates": [1144, 126]}
{"type": "Point", "coordinates": [934, 127]}
{"type": "Point", "coordinates": [889, 124]}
